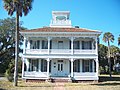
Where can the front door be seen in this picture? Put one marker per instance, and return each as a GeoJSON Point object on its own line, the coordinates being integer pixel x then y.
{"type": "Point", "coordinates": [60, 66]}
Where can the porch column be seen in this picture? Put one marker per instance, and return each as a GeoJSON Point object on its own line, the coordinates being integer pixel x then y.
{"type": "Point", "coordinates": [23, 67]}
{"type": "Point", "coordinates": [96, 46]}
{"type": "Point", "coordinates": [48, 61]}
{"type": "Point", "coordinates": [71, 67]}
{"type": "Point", "coordinates": [48, 45]}
{"type": "Point", "coordinates": [28, 45]}
{"type": "Point", "coordinates": [72, 45]}
{"type": "Point", "coordinates": [93, 65]}
{"type": "Point", "coordinates": [24, 44]}
{"type": "Point", "coordinates": [27, 64]}
{"type": "Point", "coordinates": [97, 66]}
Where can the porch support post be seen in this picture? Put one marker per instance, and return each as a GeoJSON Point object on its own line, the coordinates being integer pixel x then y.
{"type": "Point", "coordinates": [28, 45]}
{"type": "Point", "coordinates": [27, 64]}
{"type": "Point", "coordinates": [23, 67]}
{"type": "Point", "coordinates": [96, 46]}
{"type": "Point", "coordinates": [48, 45]}
{"type": "Point", "coordinates": [93, 65]}
{"type": "Point", "coordinates": [48, 61]}
{"type": "Point", "coordinates": [24, 44]}
{"type": "Point", "coordinates": [97, 66]}
{"type": "Point", "coordinates": [72, 45]}
{"type": "Point", "coordinates": [71, 67]}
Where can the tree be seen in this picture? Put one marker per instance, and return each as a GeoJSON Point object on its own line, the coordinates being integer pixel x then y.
{"type": "Point", "coordinates": [7, 42]}
{"type": "Point", "coordinates": [114, 55]}
{"type": "Point", "coordinates": [119, 40]}
{"type": "Point", "coordinates": [20, 7]}
{"type": "Point", "coordinates": [102, 57]}
{"type": "Point", "coordinates": [108, 37]}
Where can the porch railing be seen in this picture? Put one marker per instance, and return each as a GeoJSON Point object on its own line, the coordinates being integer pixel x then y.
{"type": "Point", "coordinates": [59, 51]}
{"type": "Point", "coordinates": [35, 74]}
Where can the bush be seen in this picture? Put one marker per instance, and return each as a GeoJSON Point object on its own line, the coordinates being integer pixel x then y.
{"type": "Point", "coordinates": [9, 75]}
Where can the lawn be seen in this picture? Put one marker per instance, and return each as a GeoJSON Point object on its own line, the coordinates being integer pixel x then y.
{"type": "Point", "coordinates": [104, 84]}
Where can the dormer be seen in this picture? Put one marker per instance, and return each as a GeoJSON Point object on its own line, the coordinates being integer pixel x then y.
{"type": "Point", "coordinates": [60, 19]}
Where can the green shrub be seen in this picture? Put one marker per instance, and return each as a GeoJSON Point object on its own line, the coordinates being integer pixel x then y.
{"type": "Point", "coordinates": [9, 75]}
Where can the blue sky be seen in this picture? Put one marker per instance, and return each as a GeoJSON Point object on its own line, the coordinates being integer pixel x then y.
{"type": "Point", "coordinates": [103, 15]}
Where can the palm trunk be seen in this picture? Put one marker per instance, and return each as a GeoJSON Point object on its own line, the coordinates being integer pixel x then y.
{"type": "Point", "coordinates": [16, 49]}
{"type": "Point", "coordinates": [109, 62]}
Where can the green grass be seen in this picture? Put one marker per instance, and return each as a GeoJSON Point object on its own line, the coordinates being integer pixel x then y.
{"type": "Point", "coordinates": [105, 84]}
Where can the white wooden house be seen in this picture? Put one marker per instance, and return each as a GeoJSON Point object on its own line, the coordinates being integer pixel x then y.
{"type": "Point", "coordinates": [60, 50]}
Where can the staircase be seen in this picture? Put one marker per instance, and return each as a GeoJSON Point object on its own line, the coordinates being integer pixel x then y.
{"type": "Point", "coordinates": [60, 79]}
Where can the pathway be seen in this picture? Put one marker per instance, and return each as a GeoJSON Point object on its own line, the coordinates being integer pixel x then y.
{"type": "Point", "coordinates": [59, 86]}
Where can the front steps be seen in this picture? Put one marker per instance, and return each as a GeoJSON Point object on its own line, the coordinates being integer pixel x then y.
{"type": "Point", "coordinates": [60, 80]}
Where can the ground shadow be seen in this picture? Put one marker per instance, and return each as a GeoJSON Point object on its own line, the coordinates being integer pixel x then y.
{"type": "Point", "coordinates": [107, 84]}
{"type": "Point", "coordinates": [2, 89]}
{"type": "Point", "coordinates": [107, 78]}
{"type": "Point", "coordinates": [103, 81]}
{"type": "Point", "coordinates": [35, 86]}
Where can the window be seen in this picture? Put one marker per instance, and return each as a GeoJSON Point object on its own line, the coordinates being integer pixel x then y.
{"type": "Point", "coordinates": [76, 66]}
{"type": "Point", "coordinates": [60, 44]}
{"type": "Point", "coordinates": [33, 65]}
{"type": "Point", "coordinates": [76, 45]}
{"type": "Point", "coordinates": [50, 44]}
{"type": "Point", "coordinates": [86, 45]}
{"type": "Point", "coordinates": [44, 44]}
{"type": "Point", "coordinates": [43, 65]}
{"type": "Point", "coordinates": [34, 44]}
{"type": "Point", "coordinates": [87, 65]}
{"type": "Point", "coordinates": [69, 44]}
{"type": "Point", "coordinates": [60, 18]}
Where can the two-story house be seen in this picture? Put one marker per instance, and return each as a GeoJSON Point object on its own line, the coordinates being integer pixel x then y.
{"type": "Point", "coordinates": [60, 51]}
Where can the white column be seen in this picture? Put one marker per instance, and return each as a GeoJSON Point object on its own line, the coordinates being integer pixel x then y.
{"type": "Point", "coordinates": [93, 65]}
{"type": "Point", "coordinates": [27, 64]}
{"type": "Point", "coordinates": [48, 45]}
{"type": "Point", "coordinates": [48, 61]}
{"type": "Point", "coordinates": [23, 67]}
{"type": "Point", "coordinates": [81, 65]}
{"type": "Point", "coordinates": [96, 46]}
{"type": "Point", "coordinates": [72, 45]}
{"type": "Point", "coordinates": [71, 67]}
{"type": "Point", "coordinates": [28, 45]}
{"type": "Point", "coordinates": [97, 66]}
{"type": "Point", "coordinates": [40, 44]}
{"type": "Point", "coordinates": [24, 44]}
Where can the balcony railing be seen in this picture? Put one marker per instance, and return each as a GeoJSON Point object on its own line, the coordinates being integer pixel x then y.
{"type": "Point", "coordinates": [60, 51]}
{"type": "Point", "coordinates": [67, 22]}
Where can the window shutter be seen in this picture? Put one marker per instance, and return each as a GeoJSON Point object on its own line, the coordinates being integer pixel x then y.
{"type": "Point", "coordinates": [41, 65]}
{"type": "Point", "coordinates": [78, 45]}
{"type": "Point", "coordinates": [69, 44]}
{"type": "Point", "coordinates": [90, 43]}
{"type": "Point", "coordinates": [31, 44]}
{"type": "Point", "coordinates": [43, 44]}
{"type": "Point", "coordinates": [78, 65]}
{"type": "Point", "coordinates": [38, 44]}
{"type": "Point", "coordinates": [37, 64]}
{"type": "Point", "coordinates": [90, 65]}
{"type": "Point", "coordinates": [50, 44]}
{"type": "Point", "coordinates": [82, 44]}
{"type": "Point", "coordinates": [83, 68]}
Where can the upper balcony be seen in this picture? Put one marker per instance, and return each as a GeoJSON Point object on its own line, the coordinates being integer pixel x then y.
{"type": "Point", "coordinates": [59, 45]}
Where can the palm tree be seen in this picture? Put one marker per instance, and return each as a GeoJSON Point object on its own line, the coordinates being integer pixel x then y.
{"type": "Point", "coordinates": [20, 7]}
{"type": "Point", "coordinates": [108, 37]}
{"type": "Point", "coordinates": [119, 40]}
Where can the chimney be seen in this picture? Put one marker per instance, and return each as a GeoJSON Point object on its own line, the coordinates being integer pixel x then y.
{"type": "Point", "coordinates": [76, 26]}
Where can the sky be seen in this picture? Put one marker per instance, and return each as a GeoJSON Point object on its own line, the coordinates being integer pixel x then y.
{"type": "Point", "coordinates": [102, 15]}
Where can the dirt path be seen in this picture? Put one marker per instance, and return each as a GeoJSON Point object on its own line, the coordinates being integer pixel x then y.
{"type": "Point", "coordinates": [59, 86]}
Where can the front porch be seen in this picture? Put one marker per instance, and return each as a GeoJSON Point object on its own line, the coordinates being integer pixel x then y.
{"type": "Point", "coordinates": [72, 69]}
